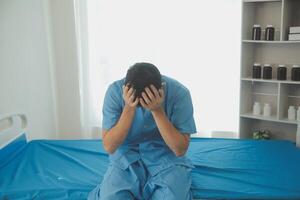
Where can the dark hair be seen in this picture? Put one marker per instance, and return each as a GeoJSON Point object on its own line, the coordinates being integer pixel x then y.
{"type": "Point", "coordinates": [142, 75]}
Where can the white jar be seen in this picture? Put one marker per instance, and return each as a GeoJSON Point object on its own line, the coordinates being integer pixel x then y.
{"type": "Point", "coordinates": [256, 108]}
{"type": "Point", "coordinates": [267, 110]}
{"type": "Point", "coordinates": [298, 113]}
{"type": "Point", "coordinates": [291, 113]}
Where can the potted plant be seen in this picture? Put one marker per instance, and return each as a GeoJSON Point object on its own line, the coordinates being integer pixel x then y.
{"type": "Point", "coordinates": [261, 135]}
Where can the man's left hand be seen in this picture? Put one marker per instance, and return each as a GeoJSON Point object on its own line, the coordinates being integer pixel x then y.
{"type": "Point", "coordinates": [152, 99]}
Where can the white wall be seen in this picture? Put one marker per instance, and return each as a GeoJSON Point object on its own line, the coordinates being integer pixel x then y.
{"type": "Point", "coordinates": [38, 66]}
{"type": "Point", "coordinates": [66, 83]}
{"type": "Point", "coordinates": [25, 81]}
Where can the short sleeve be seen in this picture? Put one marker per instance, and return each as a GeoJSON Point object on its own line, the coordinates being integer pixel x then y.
{"type": "Point", "coordinates": [182, 114]}
{"type": "Point", "coordinates": [112, 107]}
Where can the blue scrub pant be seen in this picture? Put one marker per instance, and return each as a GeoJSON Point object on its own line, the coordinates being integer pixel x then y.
{"type": "Point", "coordinates": [135, 183]}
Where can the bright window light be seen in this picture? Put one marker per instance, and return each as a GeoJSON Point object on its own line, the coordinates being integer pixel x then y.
{"type": "Point", "coordinates": [195, 42]}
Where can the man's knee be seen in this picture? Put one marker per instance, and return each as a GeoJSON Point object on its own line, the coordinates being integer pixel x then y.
{"type": "Point", "coordinates": [173, 183]}
{"type": "Point", "coordinates": [115, 186]}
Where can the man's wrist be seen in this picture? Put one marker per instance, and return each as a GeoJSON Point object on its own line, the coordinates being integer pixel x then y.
{"type": "Point", "coordinates": [158, 111]}
{"type": "Point", "coordinates": [128, 108]}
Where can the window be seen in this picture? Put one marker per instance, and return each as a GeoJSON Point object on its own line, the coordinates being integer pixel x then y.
{"type": "Point", "coordinates": [195, 42]}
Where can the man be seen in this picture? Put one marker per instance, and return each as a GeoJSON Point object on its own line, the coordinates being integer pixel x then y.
{"type": "Point", "coordinates": [147, 122]}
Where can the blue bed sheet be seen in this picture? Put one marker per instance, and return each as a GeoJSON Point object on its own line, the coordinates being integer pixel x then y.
{"type": "Point", "coordinates": [225, 169]}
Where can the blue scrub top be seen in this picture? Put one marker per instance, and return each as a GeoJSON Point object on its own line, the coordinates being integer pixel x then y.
{"type": "Point", "coordinates": [144, 140]}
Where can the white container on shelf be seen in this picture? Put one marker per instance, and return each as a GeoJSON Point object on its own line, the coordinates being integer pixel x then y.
{"type": "Point", "coordinates": [256, 108]}
{"type": "Point", "coordinates": [267, 110]}
{"type": "Point", "coordinates": [291, 113]}
{"type": "Point", "coordinates": [298, 113]}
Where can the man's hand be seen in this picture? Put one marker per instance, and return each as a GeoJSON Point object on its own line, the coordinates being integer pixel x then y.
{"type": "Point", "coordinates": [129, 95]}
{"type": "Point", "coordinates": [114, 137]}
{"type": "Point", "coordinates": [152, 99]}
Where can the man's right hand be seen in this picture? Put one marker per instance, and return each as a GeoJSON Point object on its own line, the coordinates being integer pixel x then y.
{"type": "Point", "coordinates": [129, 95]}
{"type": "Point", "coordinates": [114, 137]}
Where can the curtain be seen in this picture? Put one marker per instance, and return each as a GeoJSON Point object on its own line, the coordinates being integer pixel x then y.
{"type": "Point", "coordinates": [195, 42]}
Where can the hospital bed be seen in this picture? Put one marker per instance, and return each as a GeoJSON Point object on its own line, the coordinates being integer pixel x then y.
{"type": "Point", "coordinates": [70, 169]}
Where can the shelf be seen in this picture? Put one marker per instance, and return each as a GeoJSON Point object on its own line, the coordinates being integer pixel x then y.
{"type": "Point", "coordinates": [265, 94]}
{"type": "Point", "coordinates": [271, 118]}
{"type": "Point", "coordinates": [258, 12]}
{"type": "Point", "coordinates": [281, 129]}
{"type": "Point", "coordinates": [270, 42]}
{"type": "Point", "coordinates": [273, 54]}
{"type": "Point", "coordinates": [258, 1]}
{"type": "Point", "coordinates": [286, 120]}
{"type": "Point", "coordinates": [291, 16]}
{"type": "Point", "coordinates": [260, 80]}
{"type": "Point", "coordinates": [280, 94]}
{"type": "Point", "coordinates": [271, 81]}
{"type": "Point", "coordinates": [261, 117]}
{"type": "Point", "coordinates": [297, 97]}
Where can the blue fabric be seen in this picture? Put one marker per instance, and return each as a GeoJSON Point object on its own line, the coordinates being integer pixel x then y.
{"type": "Point", "coordinates": [53, 170]}
{"type": "Point", "coordinates": [9, 151]}
{"type": "Point", "coordinates": [144, 140]}
{"type": "Point", "coordinates": [224, 169]}
{"type": "Point", "coordinates": [135, 183]}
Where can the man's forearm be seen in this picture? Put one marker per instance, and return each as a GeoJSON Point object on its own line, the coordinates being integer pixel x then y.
{"type": "Point", "coordinates": [113, 138]}
{"type": "Point", "coordinates": [177, 142]}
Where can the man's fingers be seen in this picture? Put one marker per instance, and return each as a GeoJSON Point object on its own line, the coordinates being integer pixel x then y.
{"type": "Point", "coordinates": [145, 97]}
{"type": "Point", "coordinates": [135, 103]}
{"type": "Point", "coordinates": [143, 103]}
{"type": "Point", "coordinates": [150, 94]}
{"type": "Point", "coordinates": [131, 98]}
{"type": "Point", "coordinates": [125, 89]}
{"type": "Point", "coordinates": [154, 90]}
{"type": "Point", "coordinates": [130, 92]}
{"type": "Point", "coordinates": [161, 92]}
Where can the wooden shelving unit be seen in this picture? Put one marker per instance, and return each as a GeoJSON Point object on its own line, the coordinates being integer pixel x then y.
{"type": "Point", "coordinates": [279, 94]}
{"type": "Point", "coordinates": [270, 42]}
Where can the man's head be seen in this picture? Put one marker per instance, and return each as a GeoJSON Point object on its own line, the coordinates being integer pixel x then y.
{"type": "Point", "coordinates": [142, 75]}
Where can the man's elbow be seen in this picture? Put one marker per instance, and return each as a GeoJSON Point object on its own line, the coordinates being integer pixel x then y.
{"type": "Point", "coordinates": [108, 148]}
{"type": "Point", "coordinates": [180, 152]}
{"type": "Point", "coordinates": [182, 149]}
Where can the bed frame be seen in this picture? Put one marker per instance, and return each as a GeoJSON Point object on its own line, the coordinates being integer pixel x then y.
{"type": "Point", "coordinates": [12, 128]}
{"type": "Point", "coordinates": [12, 136]}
